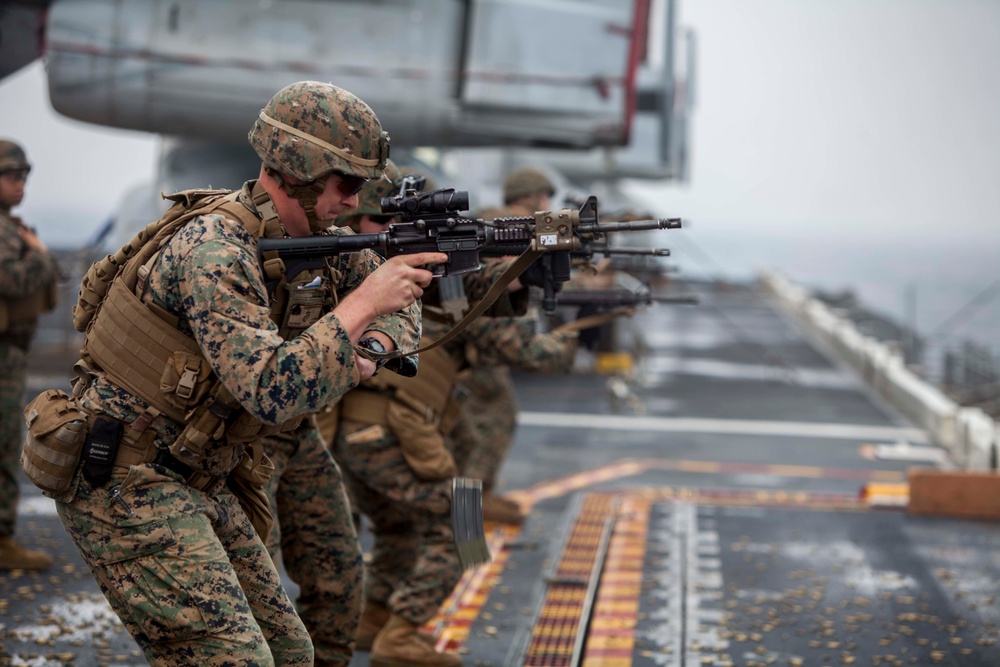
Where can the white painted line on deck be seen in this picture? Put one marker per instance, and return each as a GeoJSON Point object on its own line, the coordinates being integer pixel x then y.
{"type": "Point", "coordinates": [721, 426]}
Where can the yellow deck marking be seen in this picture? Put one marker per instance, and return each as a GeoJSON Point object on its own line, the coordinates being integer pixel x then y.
{"type": "Point", "coordinates": [631, 467]}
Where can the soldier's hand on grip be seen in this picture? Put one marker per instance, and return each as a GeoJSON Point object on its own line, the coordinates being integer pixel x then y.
{"type": "Point", "coordinates": [400, 281]}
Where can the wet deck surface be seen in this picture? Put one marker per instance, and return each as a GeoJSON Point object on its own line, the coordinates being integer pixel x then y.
{"type": "Point", "coordinates": [714, 491]}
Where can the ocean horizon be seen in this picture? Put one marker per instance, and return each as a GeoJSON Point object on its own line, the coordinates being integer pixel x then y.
{"type": "Point", "coordinates": [945, 286]}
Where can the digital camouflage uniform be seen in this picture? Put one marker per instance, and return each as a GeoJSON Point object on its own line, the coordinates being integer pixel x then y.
{"type": "Point", "coordinates": [414, 564]}
{"type": "Point", "coordinates": [25, 273]}
{"type": "Point", "coordinates": [314, 533]}
{"type": "Point", "coordinates": [184, 569]}
{"type": "Point", "coordinates": [315, 536]}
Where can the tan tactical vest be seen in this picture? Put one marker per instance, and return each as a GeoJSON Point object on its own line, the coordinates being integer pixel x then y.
{"type": "Point", "coordinates": [138, 346]}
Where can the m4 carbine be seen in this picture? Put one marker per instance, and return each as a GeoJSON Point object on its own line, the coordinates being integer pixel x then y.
{"type": "Point", "coordinates": [432, 222]}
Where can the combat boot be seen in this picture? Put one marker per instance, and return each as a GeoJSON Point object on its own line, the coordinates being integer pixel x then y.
{"type": "Point", "coordinates": [373, 619]}
{"type": "Point", "coordinates": [15, 557]}
{"type": "Point", "coordinates": [500, 509]}
{"type": "Point", "coordinates": [400, 644]}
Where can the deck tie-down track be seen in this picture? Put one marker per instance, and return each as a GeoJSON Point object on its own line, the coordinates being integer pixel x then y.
{"type": "Point", "coordinates": [645, 578]}
{"type": "Point", "coordinates": [561, 626]}
{"type": "Point", "coordinates": [636, 583]}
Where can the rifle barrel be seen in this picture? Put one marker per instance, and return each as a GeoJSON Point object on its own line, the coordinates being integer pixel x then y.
{"type": "Point", "coordinates": [632, 225]}
{"type": "Point", "coordinates": [619, 250]}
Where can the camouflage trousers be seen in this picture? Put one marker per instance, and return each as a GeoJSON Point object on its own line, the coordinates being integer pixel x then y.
{"type": "Point", "coordinates": [12, 379]}
{"type": "Point", "coordinates": [315, 537]}
{"type": "Point", "coordinates": [484, 431]}
{"type": "Point", "coordinates": [185, 572]}
{"type": "Point", "coordinates": [414, 564]}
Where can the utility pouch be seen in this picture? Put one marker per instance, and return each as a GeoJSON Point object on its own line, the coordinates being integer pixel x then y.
{"type": "Point", "coordinates": [247, 484]}
{"type": "Point", "coordinates": [420, 438]}
{"type": "Point", "coordinates": [56, 431]}
{"type": "Point", "coordinates": [308, 297]}
{"type": "Point", "coordinates": [187, 378]}
{"type": "Point", "coordinates": [100, 450]}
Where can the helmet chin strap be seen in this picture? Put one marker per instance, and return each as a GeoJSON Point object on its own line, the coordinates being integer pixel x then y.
{"type": "Point", "coordinates": [306, 194]}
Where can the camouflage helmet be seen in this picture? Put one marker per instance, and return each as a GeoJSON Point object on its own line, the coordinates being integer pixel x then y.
{"type": "Point", "coordinates": [370, 197]}
{"type": "Point", "coordinates": [12, 156]}
{"type": "Point", "coordinates": [525, 182]}
{"type": "Point", "coordinates": [309, 129]}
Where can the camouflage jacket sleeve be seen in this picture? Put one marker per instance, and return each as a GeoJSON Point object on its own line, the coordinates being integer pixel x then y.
{"type": "Point", "coordinates": [23, 271]}
{"type": "Point", "coordinates": [209, 276]}
{"type": "Point", "coordinates": [513, 341]}
{"type": "Point", "coordinates": [403, 326]}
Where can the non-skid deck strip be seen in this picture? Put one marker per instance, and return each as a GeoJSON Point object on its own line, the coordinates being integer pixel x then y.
{"type": "Point", "coordinates": [558, 625]}
{"type": "Point", "coordinates": [614, 618]}
{"type": "Point", "coordinates": [611, 636]}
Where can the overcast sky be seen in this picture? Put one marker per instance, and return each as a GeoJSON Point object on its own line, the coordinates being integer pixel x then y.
{"type": "Point", "coordinates": [846, 113]}
{"type": "Point", "coordinates": [863, 128]}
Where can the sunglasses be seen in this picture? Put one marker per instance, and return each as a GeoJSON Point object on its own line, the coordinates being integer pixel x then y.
{"type": "Point", "coordinates": [15, 175]}
{"type": "Point", "coordinates": [349, 185]}
{"type": "Point", "coordinates": [381, 219]}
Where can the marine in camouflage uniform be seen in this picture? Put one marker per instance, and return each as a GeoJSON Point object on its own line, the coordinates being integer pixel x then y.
{"type": "Point", "coordinates": [484, 430]}
{"type": "Point", "coordinates": [179, 559]}
{"type": "Point", "coordinates": [315, 532]}
{"type": "Point", "coordinates": [399, 472]}
{"type": "Point", "coordinates": [28, 275]}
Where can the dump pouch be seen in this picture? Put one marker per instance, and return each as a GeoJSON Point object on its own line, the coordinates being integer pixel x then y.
{"type": "Point", "coordinates": [420, 437]}
{"type": "Point", "coordinates": [247, 484]}
{"type": "Point", "coordinates": [56, 432]}
{"type": "Point", "coordinates": [186, 381]}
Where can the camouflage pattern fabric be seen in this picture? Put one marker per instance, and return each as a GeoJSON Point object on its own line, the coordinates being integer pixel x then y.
{"type": "Point", "coordinates": [319, 113]}
{"type": "Point", "coordinates": [315, 537]}
{"type": "Point", "coordinates": [509, 341]}
{"type": "Point", "coordinates": [185, 598]}
{"type": "Point", "coordinates": [209, 277]}
{"type": "Point", "coordinates": [525, 182]}
{"type": "Point", "coordinates": [208, 273]}
{"type": "Point", "coordinates": [12, 378]}
{"type": "Point", "coordinates": [414, 565]}
{"type": "Point", "coordinates": [12, 156]}
{"type": "Point", "coordinates": [22, 272]}
{"type": "Point", "coordinates": [486, 422]}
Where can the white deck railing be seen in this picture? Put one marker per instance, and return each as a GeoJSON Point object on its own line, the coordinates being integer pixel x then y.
{"type": "Point", "coordinates": [969, 434]}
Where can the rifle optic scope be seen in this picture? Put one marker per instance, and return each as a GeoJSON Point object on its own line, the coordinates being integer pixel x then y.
{"type": "Point", "coordinates": [442, 200]}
